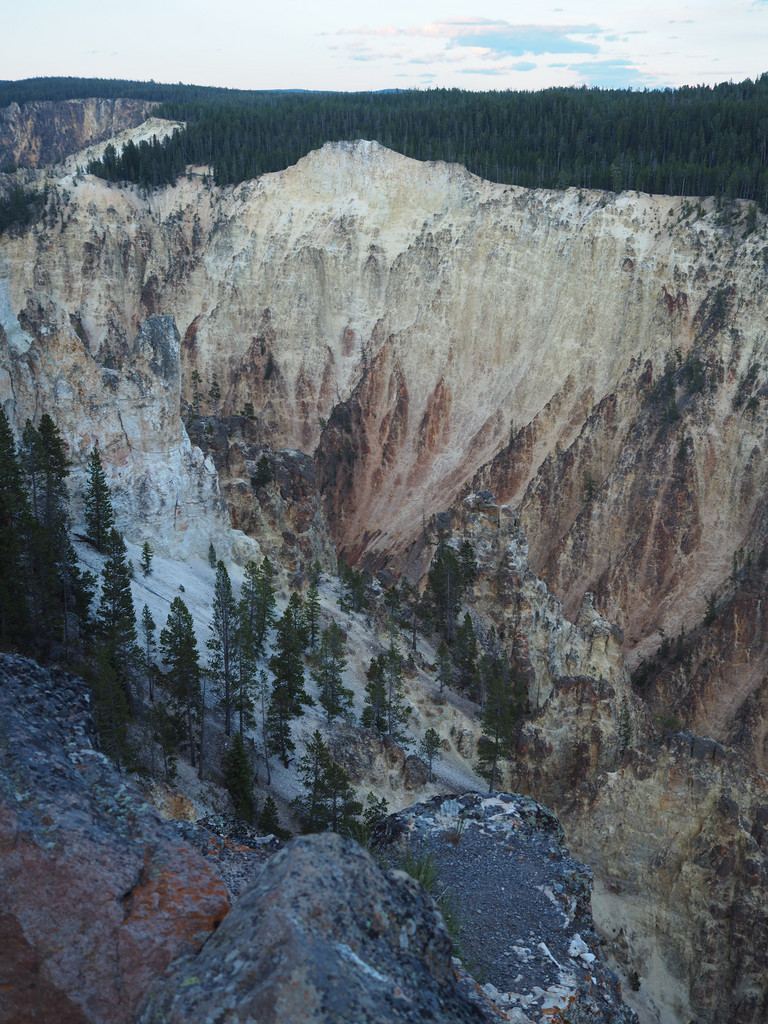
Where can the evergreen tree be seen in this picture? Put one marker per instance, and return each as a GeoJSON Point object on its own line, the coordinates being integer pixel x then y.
{"type": "Point", "coordinates": [288, 697]}
{"type": "Point", "coordinates": [465, 654]}
{"type": "Point", "coordinates": [504, 702]}
{"type": "Point", "coordinates": [269, 821]}
{"type": "Point", "coordinates": [299, 610]}
{"type": "Point", "coordinates": [257, 600]}
{"type": "Point", "coordinates": [329, 802]}
{"type": "Point", "coordinates": [15, 526]}
{"type": "Point", "coordinates": [329, 664]}
{"type": "Point", "coordinates": [312, 771]}
{"type": "Point", "coordinates": [61, 593]}
{"type": "Point", "coordinates": [212, 559]}
{"type": "Point", "coordinates": [148, 628]}
{"type": "Point", "coordinates": [444, 590]}
{"type": "Point", "coordinates": [196, 381]}
{"type": "Point", "coordinates": [110, 705]}
{"type": "Point", "coordinates": [443, 664]}
{"type": "Point", "coordinates": [385, 709]}
{"type": "Point", "coordinates": [146, 558]}
{"type": "Point", "coordinates": [214, 393]}
{"type": "Point", "coordinates": [312, 614]}
{"type": "Point", "coordinates": [238, 778]}
{"type": "Point", "coordinates": [179, 647]}
{"type": "Point", "coordinates": [99, 516]}
{"type": "Point", "coordinates": [116, 617]}
{"type": "Point", "coordinates": [221, 643]}
{"type": "Point", "coordinates": [431, 749]}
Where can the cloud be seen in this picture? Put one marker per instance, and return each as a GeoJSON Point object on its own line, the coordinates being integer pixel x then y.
{"type": "Point", "coordinates": [497, 38]}
{"type": "Point", "coordinates": [611, 74]}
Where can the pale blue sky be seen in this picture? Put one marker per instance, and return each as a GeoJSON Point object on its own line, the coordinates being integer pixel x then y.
{"type": "Point", "coordinates": [344, 45]}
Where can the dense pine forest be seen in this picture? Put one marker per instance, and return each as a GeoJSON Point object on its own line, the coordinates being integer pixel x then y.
{"type": "Point", "coordinates": [689, 141]}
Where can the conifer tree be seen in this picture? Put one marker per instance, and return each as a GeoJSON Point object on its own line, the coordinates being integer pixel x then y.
{"type": "Point", "coordinates": [465, 654]}
{"type": "Point", "coordinates": [110, 706]}
{"type": "Point", "coordinates": [288, 697]}
{"type": "Point", "coordinates": [61, 593]}
{"type": "Point", "coordinates": [329, 801]}
{"type": "Point", "coordinates": [99, 516]}
{"type": "Point", "coordinates": [504, 701]}
{"type": "Point", "coordinates": [329, 663]}
{"type": "Point", "coordinates": [269, 821]}
{"type": "Point", "coordinates": [430, 749]}
{"type": "Point", "coordinates": [179, 647]}
{"type": "Point", "coordinates": [238, 778]}
{"type": "Point", "coordinates": [116, 617]}
{"type": "Point", "coordinates": [443, 664]}
{"type": "Point", "coordinates": [221, 642]}
{"type": "Point", "coordinates": [15, 525]}
{"type": "Point", "coordinates": [312, 614]}
{"type": "Point", "coordinates": [146, 558]}
{"type": "Point", "coordinates": [148, 628]}
{"type": "Point", "coordinates": [385, 709]}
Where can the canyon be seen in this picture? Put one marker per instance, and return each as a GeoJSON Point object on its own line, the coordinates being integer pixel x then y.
{"type": "Point", "coordinates": [399, 338]}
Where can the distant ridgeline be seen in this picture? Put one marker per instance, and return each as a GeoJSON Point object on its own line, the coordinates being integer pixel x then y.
{"type": "Point", "coordinates": [689, 141]}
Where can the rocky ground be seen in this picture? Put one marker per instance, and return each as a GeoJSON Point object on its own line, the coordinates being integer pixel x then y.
{"type": "Point", "coordinates": [519, 904]}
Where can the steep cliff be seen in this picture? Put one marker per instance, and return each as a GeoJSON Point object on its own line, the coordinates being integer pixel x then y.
{"type": "Point", "coordinates": [37, 134]}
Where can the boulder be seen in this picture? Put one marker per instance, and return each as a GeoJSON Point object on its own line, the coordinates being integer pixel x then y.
{"type": "Point", "coordinates": [99, 893]}
{"type": "Point", "coordinates": [323, 935]}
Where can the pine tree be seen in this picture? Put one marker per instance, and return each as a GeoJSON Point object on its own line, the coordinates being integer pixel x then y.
{"type": "Point", "coordinates": [444, 590]}
{"type": "Point", "coordinates": [148, 628]}
{"type": "Point", "coordinates": [61, 593]}
{"type": "Point", "coordinates": [99, 516]}
{"type": "Point", "coordinates": [329, 664]}
{"type": "Point", "coordinates": [504, 702]}
{"type": "Point", "coordinates": [465, 654]}
{"type": "Point", "coordinates": [15, 526]}
{"type": "Point", "coordinates": [312, 614]}
{"type": "Point", "coordinates": [443, 664]}
{"type": "Point", "coordinates": [110, 705]}
{"type": "Point", "coordinates": [312, 771]}
{"type": "Point", "coordinates": [214, 393]}
{"type": "Point", "coordinates": [221, 643]}
{"type": "Point", "coordinates": [385, 709]}
{"type": "Point", "coordinates": [288, 697]}
{"type": "Point", "coordinates": [269, 821]}
{"type": "Point", "coordinates": [258, 603]}
{"type": "Point", "coordinates": [329, 801]}
{"type": "Point", "coordinates": [430, 749]}
{"type": "Point", "coordinates": [116, 617]}
{"type": "Point", "coordinates": [238, 778]}
{"type": "Point", "coordinates": [179, 647]}
{"type": "Point", "coordinates": [146, 558]}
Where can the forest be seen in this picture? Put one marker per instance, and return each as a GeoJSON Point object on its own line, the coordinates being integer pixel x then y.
{"type": "Point", "coordinates": [689, 141]}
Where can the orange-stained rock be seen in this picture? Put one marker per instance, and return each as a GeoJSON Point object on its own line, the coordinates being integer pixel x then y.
{"type": "Point", "coordinates": [99, 894]}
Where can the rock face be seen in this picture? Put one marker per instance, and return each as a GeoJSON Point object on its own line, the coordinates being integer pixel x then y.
{"type": "Point", "coordinates": [126, 402]}
{"type": "Point", "coordinates": [322, 935]}
{"type": "Point", "coordinates": [99, 895]}
{"type": "Point", "coordinates": [678, 841]}
{"type": "Point", "coordinates": [598, 360]}
{"type": "Point", "coordinates": [41, 133]}
{"type": "Point", "coordinates": [282, 507]}
{"type": "Point", "coordinates": [520, 904]}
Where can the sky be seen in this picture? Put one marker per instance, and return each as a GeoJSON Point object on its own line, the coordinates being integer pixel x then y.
{"type": "Point", "coordinates": [350, 46]}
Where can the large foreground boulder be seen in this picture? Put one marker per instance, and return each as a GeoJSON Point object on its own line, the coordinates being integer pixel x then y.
{"type": "Point", "coordinates": [323, 935]}
{"type": "Point", "coordinates": [98, 893]}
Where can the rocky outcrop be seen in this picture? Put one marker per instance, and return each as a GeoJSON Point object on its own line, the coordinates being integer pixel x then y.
{"type": "Point", "coordinates": [99, 894]}
{"type": "Point", "coordinates": [272, 495]}
{"type": "Point", "coordinates": [677, 838]}
{"type": "Point", "coordinates": [519, 904]}
{"type": "Point", "coordinates": [40, 133]}
{"type": "Point", "coordinates": [324, 934]}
